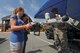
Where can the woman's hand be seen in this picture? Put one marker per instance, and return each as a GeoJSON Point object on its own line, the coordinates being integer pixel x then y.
{"type": "Point", "coordinates": [28, 25]}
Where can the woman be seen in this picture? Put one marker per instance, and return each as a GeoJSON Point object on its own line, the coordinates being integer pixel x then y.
{"type": "Point", "coordinates": [17, 30]}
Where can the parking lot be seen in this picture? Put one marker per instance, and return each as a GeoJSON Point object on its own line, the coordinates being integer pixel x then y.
{"type": "Point", "coordinates": [35, 44]}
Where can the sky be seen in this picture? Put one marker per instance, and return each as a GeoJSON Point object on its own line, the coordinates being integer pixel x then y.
{"type": "Point", "coordinates": [30, 7]}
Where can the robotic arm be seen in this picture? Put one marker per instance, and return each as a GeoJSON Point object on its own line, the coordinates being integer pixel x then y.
{"type": "Point", "coordinates": [65, 18]}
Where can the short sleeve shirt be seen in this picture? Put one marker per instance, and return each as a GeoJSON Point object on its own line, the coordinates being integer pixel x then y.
{"type": "Point", "coordinates": [17, 36]}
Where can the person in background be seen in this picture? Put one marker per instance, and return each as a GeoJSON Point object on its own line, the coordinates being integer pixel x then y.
{"type": "Point", "coordinates": [17, 30]}
{"type": "Point", "coordinates": [60, 33]}
{"type": "Point", "coordinates": [26, 20]}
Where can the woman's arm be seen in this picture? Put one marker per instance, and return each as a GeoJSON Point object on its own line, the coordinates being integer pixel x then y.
{"type": "Point", "coordinates": [14, 27]}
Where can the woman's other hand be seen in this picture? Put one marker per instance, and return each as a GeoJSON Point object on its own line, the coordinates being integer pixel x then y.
{"type": "Point", "coordinates": [28, 25]}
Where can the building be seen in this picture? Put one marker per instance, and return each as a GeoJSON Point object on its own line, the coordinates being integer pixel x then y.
{"type": "Point", "coordinates": [5, 23]}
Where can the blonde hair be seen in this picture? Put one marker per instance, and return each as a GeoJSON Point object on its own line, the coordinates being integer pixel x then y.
{"type": "Point", "coordinates": [18, 9]}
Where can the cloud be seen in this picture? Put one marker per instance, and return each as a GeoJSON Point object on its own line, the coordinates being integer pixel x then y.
{"type": "Point", "coordinates": [34, 5]}
{"type": "Point", "coordinates": [2, 12]}
{"type": "Point", "coordinates": [9, 8]}
{"type": "Point", "coordinates": [3, 15]}
{"type": "Point", "coordinates": [21, 2]}
{"type": "Point", "coordinates": [3, 9]}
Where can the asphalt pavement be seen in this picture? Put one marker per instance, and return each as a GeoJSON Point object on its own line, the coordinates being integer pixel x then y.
{"type": "Point", "coordinates": [35, 44]}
